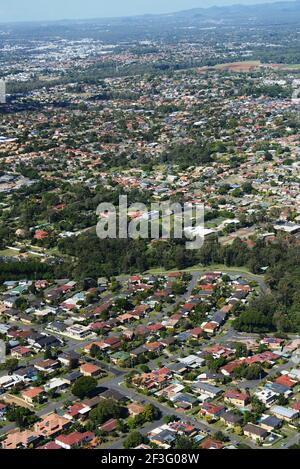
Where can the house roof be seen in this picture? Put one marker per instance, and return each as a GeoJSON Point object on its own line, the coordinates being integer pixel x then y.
{"type": "Point", "coordinates": [15, 439]}
{"type": "Point", "coordinates": [89, 368]}
{"type": "Point", "coordinates": [76, 409]}
{"type": "Point", "coordinates": [236, 395]}
{"type": "Point", "coordinates": [136, 408]}
{"type": "Point", "coordinates": [262, 358]}
{"type": "Point", "coordinates": [197, 331]}
{"type": "Point", "coordinates": [50, 446]}
{"type": "Point", "coordinates": [32, 393]}
{"type": "Point", "coordinates": [255, 430]}
{"type": "Point", "coordinates": [284, 411]}
{"type": "Point", "coordinates": [113, 394]}
{"type": "Point", "coordinates": [212, 409]}
{"type": "Point", "coordinates": [210, 443]}
{"type": "Point", "coordinates": [51, 424]}
{"type": "Point", "coordinates": [271, 421]}
{"type": "Point", "coordinates": [109, 426]}
{"type": "Point", "coordinates": [286, 381]}
{"type": "Point", "coordinates": [231, 417]}
{"type": "Point", "coordinates": [46, 364]}
{"type": "Point", "coordinates": [153, 346]}
{"type": "Point", "coordinates": [296, 405]}
{"type": "Point", "coordinates": [75, 438]}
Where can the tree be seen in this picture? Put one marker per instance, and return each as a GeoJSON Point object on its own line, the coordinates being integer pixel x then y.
{"type": "Point", "coordinates": [95, 350]}
{"type": "Point", "coordinates": [151, 413]}
{"type": "Point", "coordinates": [134, 439]}
{"type": "Point", "coordinates": [24, 418]}
{"type": "Point", "coordinates": [241, 350]}
{"type": "Point", "coordinates": [178, 288]}
{"type": "Point", "coordinates": [282, 400]}
{"type": "Point", "coordinates": [183, 442]}
{"type": "Point", "coordinates": [238, 430]}
{"type": "Point", "coordinates": [220, 436]}
{"type": "Point", "coordinates": [106, 410]}
{"type": "Point", "coordinates": [48, 354]}
{"type": "Point", "coordinates": [145, 368]}
{"type": "Point", "coordinates": [11, 365]}
{"type": "Point", "coordinates": [170, 418]}
{"type": "Point", "coordinates": [254, 372]}
{"type": "Point", "coordinates": [84, 386]}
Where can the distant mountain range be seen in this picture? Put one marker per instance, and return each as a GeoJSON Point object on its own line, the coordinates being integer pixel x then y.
{"type": "Point", "coordinates": [283, 11]}
{"type": "Point", "coordinates": [277, 14]}
{"type": "Point", "coordinates": [264, 13]}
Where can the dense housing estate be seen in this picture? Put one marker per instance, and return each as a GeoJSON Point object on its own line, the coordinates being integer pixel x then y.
{"type": "Point", "coordinates": [142, 343]}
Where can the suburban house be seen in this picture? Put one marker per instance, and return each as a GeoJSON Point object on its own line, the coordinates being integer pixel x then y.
{"type": "Point", "coordinates": [255, 432]}
{"type": "Point", "coordinates": [33, 395]}
{"type": "Point", "coordinates": [21, 439]}
{"type": "Point", "coordinates": [230, 419]}
{"type": "Point", "coordinates": [50, 425]}
{"type": "Point", "coordinates": [238, 399]}
{"type": "Point", "coordinates": [284, 413]}
{"type": "Point", "coordinates": [87, 369]}
{"type": "Point", "coordinates": [74, 440]}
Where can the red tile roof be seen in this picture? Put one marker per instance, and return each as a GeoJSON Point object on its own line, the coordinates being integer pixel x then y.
{"type": "Point", "coordinates": [50, 446]}
{"type": "Point", "coordinates": [210, 443]}
{"type": "Point", "coordinates": [32, 393]}
{"type": "Point", "coordinates": [109, 426]}
{"type": "Point", "coordinates": [296, 405]}
{"type": "Point", "coordinates": [75, 438]}
{"type": "Point", "coordinates": [286, 381]}
{"type": "Point", "coordinates": [262, 358]}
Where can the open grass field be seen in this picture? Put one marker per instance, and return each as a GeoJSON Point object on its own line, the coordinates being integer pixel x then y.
{"type": "Point", "coordinates": [200, 268]}
{"type": "Point", "coordinates": [249, 66]}
{"type": "Point", "coordinates": [9, 253]}
{"type": "Point", "coordinates": [286, 67]}
{"type": "Point", "coordinates": [246, 66]}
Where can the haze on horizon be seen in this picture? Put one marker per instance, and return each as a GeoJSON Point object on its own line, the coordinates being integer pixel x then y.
{"type": "Point", "coordinates": [49, 10]}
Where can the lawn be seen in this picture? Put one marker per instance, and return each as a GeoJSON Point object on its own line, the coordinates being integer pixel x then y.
{"type": "Point", "coordinates": [209, 268]}
{"type": "Point", "coordinates": [245, 66]}
{"type": "Point", "coordinates": [9, 253]}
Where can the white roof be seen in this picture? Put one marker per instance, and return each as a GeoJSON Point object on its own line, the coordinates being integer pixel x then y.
{"type": "Point", "coordinates": [6, 380]}
{"type": "Point", "coordinates": [190, 360]}
{"type": "Point", "coordinates": [284, 411]}
{"type": "Point", "coordinates": [55, 383]}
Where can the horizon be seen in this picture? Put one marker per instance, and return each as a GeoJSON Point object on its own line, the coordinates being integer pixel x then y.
{"type": "Point", "coordinates": [16, 11]}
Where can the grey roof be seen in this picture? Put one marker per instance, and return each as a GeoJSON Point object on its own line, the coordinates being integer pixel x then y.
{"type": "Point", "coordinates": [139, 351]}
{"type": "Point", "coordinates": [58, 325]}
{"type": "Point", "coordinates": [278, 388]}
{"type": "Point", "coordinates": [26, 372]}
{"type": "Point", "coordinates": [271, 421]}
{"type": "Point", "coordinates": [205, 387]}
{"type": "Point", "coordinates": [176, 367]}
{"type": "Point", "coordinates": [219, 317]}
{"type": "Point", "coordinates": [166, 436]}
{"type": "Point", "coordinates": [70, 355]}
{"type": "Point", "coordinates": [47, 341]}
{"type": "Point", "coordinates": [112, 394]}
{"type": "Point", "coordinates": [255, 430]}
{"type": "Point", "coordinates": [284, 411]}
{"type": "Point", "coordinates": [72, 377]}
{"type": "Point", "coordinates": [231, 417]}
{"type": "Point", "coordinates": [184, 397]}
{"type": "Point", "coordinates": [183, 336]}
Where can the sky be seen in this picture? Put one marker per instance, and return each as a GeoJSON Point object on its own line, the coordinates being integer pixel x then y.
{"type": "Point", "coordinates": [32, 10]}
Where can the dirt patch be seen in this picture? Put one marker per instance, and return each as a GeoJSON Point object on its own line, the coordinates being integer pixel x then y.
{"type": "Point", "coordinates": [239, 66]}
{"type": "Point", "coordinates": [10, 399]}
